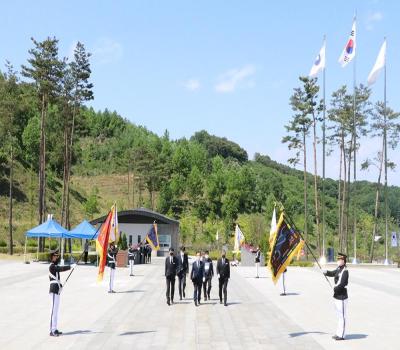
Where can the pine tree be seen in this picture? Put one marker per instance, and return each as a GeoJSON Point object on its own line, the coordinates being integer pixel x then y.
{"type": "Point", "coordinates": [45, 69]}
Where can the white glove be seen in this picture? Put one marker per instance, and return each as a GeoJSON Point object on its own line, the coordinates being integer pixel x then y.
{"type": "Point", "coordinates": [72, 266]}
{"type": "Point", "coordinates": [218, 275]}
{"type": "Point", "coordinates": [204, 279]}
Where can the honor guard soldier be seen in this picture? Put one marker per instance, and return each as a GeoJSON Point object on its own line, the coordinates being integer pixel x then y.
{"type": "Point", "coordinates": [183, 269]}
{"type": "Point", "coordinates": [112, 262]}
{"type": "Point", "coordinates": [283, 283]}
{"type": "Point", "coordinates": [257, 260]}
{"type": "Point", "coordinates": [341, 278]}
{"type": "Point", "coordinates": [208, 275]}
{"type": "Point", "coordinates": [131, 258]}
{"type": "Point", "coordinates": [171, 266]}
{"type": "Point", "coordinates": [197, 277]}
{"type": "Point", "coordinates": [55, 289]}
{"type": "Point", "coordinates": [223, 274]}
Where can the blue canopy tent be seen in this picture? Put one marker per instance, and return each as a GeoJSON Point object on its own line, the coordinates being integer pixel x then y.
{"type": "Point", "coordinates": [49, 229]}
{"type": "Point", "coordinates": [83, 231]}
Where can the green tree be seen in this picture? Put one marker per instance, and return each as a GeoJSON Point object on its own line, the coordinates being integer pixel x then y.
{"type": "Point", "coordinates": [45, 69]}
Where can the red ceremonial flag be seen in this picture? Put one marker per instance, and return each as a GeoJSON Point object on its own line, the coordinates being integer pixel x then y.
{"type": "Point", "coordinates": [102, 245]}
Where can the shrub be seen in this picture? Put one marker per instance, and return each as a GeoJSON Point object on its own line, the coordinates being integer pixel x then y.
{"type": "Point", "coordinates": [92, 258]}
{"type": "Point", "coordinates": [3, 243]}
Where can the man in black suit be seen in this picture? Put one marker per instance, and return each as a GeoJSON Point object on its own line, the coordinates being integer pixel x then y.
{"type": "Point", "coordinates": [183, 269]}
{"type": "Point", "coordinates": [197, 277]}
{"type": "Point", "coordinates": [171, 265]}
{"type": "Point", "coordinates": [223, 273]}
{"type": "Point", "coordinates": [208, 275]}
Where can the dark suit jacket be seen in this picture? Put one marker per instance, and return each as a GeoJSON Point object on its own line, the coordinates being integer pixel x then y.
{"type": "Point", "coordinates": [55, 270]}
{"type": "Point", "coordinates": [224, 271]}
{"type": "Point", "coordinates": [183, 264]}
{"type": "Point", "coordinates": [197, 272]}
{"type": "Point", "coordinates": [170, 269]}
{"type": "Point", "coordinates": [340, 289]}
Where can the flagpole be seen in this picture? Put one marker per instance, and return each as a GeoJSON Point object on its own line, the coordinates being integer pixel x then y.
{"type": "Point", "coordinates": [355, 158]}
{"type": "Point", "coordinates": [323, 159]}
{"type": "Point", "coordinates": [385, 141]}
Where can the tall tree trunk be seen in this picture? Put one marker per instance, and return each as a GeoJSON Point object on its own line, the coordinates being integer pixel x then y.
{"type": "Point", "coordinates": [378, 185]}
{"type": "Point", "coordinates": [65, 175]}
{"type": "Point", "coordinates": [133, 190]}
{"type": "Point", "coordinates": [10, 207]}
{"type": "Point", "coordinates": [128, 185]}
{"type": "Point", "coordinates": [42, 168]}
{"type": "Point", "coordinates": [348, 199]}
{"type": "Point", "coordinates": [316, 188]}
{"type": "Point", "coordinates": [305, 189]}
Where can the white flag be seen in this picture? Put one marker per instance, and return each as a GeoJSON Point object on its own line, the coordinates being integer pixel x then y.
{"type": "Point", "coordinates": [349, 50]}
{"type": "Point", "coordinates": [239, 239]}
{"type": "Point", "coordinates": [273, 225]}
{"type": "Point", "coordinates": [217, 236]}
{"type": "Point", "coordinates": [319, 63]}
{"type": "Point", "coordinates": [379, 64]}
{"type": "Point", "coordinates": [394, 239]}
{"type": "Point", "coordinates": [377, 238]}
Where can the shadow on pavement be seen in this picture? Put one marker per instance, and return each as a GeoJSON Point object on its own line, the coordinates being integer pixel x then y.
{"type": "Point", "coordinates": [86, 331]}
{"type": "Point", "coordinates": [299, 334]}
{"type": "Point", "coordinates": [131, 291]}
{"type": "Point", "coordinates": [356, 336]}
{"type": "Point", "coordinates": [138, 332]}
{"type": "Point", "coordinates": [289, 294]}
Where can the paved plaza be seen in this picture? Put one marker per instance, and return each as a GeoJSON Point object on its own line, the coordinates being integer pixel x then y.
{"type": "Point", "coordinates": [137, 316]}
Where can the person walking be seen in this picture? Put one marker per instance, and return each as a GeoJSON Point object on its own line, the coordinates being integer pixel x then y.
{"type": "Point", "coordinates": [223, 274]}
{"type": "Point", "coordinates": [208, 275]}
{"type": "Point", "coordinates": [197, 277]}
{"type": "Point", "coordinates": [182, 271]}
{"type": "Point", "coordinates": [171, 265]}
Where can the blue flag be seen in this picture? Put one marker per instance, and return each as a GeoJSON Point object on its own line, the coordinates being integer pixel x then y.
{"type": "Point", "coordinates": [152, 237]}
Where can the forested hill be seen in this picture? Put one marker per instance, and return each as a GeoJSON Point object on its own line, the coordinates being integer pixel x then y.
{"type": "Point", "coordinates": [207, 182]}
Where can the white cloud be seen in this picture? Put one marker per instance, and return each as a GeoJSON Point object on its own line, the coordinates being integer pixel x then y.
{"type": "Point", "coordinates": [191, 84]}
{"type": "Point", "coordinates": [372, 18]}
{"type": "Point", "coordinates": [229, 81]}
{"type": "Point", "coordinates": [107, 50]}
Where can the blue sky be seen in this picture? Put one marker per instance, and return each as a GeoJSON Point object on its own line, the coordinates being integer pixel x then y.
{"type": "Point", "coordinates": [225, 66]}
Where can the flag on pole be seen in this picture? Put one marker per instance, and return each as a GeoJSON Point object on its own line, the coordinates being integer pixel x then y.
{"type": "Point", "coordinates": [319, 63]}
{"type": "Point", "coordinates": [377, 238]}
{"type": "Point", "coordinates": [217, 236]}
{"type": "Point", "coordinates": [273, 227]}
{"type": "Point", "coordinates": [287, 243]}
{"type": "Point", "coordinates": [349, 50]}
{"type": "Point", "coordinates": [152, 237]}
{"type": "Point", "coordinates": [114, 233]}
{"type": "Point", "coordinates": [102, 242]}
{"type": "Point", "coordinates": [239, 239]}
{"type": "Point", "coordinates": [394, 239]}
{"type": "Point", "coordinates": [379, 64]}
